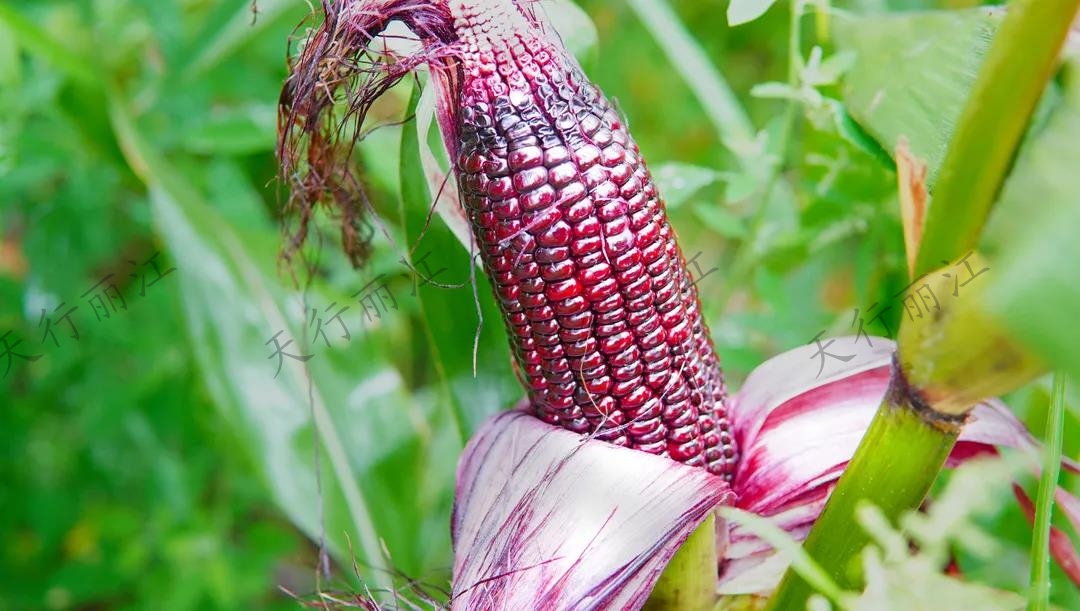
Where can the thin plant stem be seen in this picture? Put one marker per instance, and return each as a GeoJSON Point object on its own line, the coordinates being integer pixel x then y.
{"type": "Point", "coordinates": [791, 115]}
{"type": "Point", "coordinates": [744, 256]}
{"type": "Point", "coordinates": [724, 110]}
{"type": "Point", "coordinates": [1039, 599]}
{"type": "Point", "coordinates": [904, 446]}
{"type": "Point", "coordinates": [716, 97]}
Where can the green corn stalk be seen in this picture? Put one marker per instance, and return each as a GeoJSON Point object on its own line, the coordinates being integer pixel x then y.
{"type": "Point", "coordinates": [940, 358]}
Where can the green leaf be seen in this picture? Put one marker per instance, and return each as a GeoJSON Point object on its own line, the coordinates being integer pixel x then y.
{"type": "Point", "coordinates": [1039, 598]}
{"type": "Point", "coordinates": [681, 181]}
{"type": "Point", "coordinates": [693, 64]}
{"type": "Point", "coordinates": [829, 70]}
{"type": "Point", "coordinates": [10, 72]}
{"type": "Point", "coordinates": [40, 42]}
{"type": "Point", "coordinates": [1033, 237]}
{"type": "Point", "coordinates": [722, 221]}
{"type": "Point", "coordinates": [385, 460]}
{"type": "Point", "coordinates": [239, 29]}
{"type": "Point", "coordinates": [1013, 77]}
{"type": "Point", "coordinates": [742, 186]}
{"type": "Point", "coordinates": [853, 133]}
{"type": "Point", "coordinates": [784, 544]}
{"type": "Point", "coordinates": [745, 11]}
{"type": "Point", "coordinates": [231, 193]}
{"type": "Point", "coordinates": [912, 74]}
{"type": "Point", "coordinates": [252, 129]}
{"type": "Point", "coordinates": [776, 90]}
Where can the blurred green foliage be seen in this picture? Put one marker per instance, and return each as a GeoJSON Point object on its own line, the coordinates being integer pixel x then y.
{"type": "Point", "coordinates": [157, 462]}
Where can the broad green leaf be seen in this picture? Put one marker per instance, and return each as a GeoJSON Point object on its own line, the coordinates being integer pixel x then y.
{"type": "Point", "coordinates": [678, 182]}
{"type": "Point", "coordinates": [384, 462]}
{"type": "Point", "coordinates": [1033, 235]}
{"type": "Point", "coordinates": [912, 74]}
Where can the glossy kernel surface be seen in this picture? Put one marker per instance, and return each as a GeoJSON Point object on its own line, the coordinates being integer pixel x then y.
{"type": "Point", "coordinates": [612, 342]}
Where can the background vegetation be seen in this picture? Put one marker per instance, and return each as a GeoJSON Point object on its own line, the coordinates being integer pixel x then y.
{"type": "Point", "coordinates": [157, 462]}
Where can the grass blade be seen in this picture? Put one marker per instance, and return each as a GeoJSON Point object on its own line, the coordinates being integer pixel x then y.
{"type": "Point", "coordinates": [903, 451]}
{"type": "Point", "coordinates": [241, 27]}
{"type": "Point", "coordinates": [1039, 598]}
{"type": "Point", "coordinates": [170, 200]}
{"type": "Point", "coordinates": [382, 469]}
{"type": "Point", "coordinates": [689, 60]}
{"type": "Point", "coordinates": [801, 562]}
{"type": "Point", "coordinates": [1021, 61]}
{"type": "Point", "coordinates": [39, 42]}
